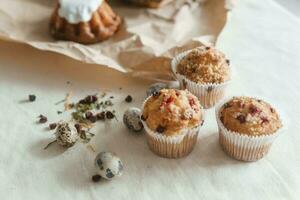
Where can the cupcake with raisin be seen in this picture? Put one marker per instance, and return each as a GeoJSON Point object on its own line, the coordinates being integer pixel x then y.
{"type": "Point", "coordinates": [247, 127]}
{"type": "Point", "coordinates": [172, 119]}
{"type": "Point", "coordinates": [205, 72]}
{"type": "Point", "coordinates": [150, 3]}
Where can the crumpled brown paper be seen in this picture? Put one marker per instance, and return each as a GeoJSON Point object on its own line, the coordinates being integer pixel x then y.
{"type": "Point", "coordinates": [143, 46]}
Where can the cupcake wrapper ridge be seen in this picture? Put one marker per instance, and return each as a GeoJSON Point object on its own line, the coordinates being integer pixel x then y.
{"type": "Point", "coordinates": [243, 147]}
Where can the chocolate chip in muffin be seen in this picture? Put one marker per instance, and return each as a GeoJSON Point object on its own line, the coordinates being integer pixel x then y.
{"type": "Point", "coordinates": [241, 118]}
{"type": "Point", "coordinates": [160, 129]}
{"type": "Point", "coordinates": [228, 61]}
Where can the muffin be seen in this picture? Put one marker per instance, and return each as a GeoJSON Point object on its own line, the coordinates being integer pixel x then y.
{"type": "Point", "coordinates": [86, 22]}
{"type": "Point", "coordinates": [205, 72]}
{"type": "Point", "coordinates": [247, 127]}
{"type": "Point", "coordinates": [172, 119]}
{"type": "Point", "coordinates": [150, 3]}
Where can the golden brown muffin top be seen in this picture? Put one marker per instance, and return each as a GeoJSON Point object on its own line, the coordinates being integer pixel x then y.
{"type": "Point", "coordinates": [170, 111]}
{"type": "Point", "coordinates": [249, 116]}
{"type": "Point", "coordinates": [205, 65]}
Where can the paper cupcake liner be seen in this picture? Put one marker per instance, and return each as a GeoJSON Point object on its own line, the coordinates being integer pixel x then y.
{"type": "Point", "coordinates": [172, 146]}
{"type": "Point", "coordinates": [176, 146]}
{"type": "Point", "coordinates": [208, 94]}
{"type": "Point", "coordinates": [243, 147]}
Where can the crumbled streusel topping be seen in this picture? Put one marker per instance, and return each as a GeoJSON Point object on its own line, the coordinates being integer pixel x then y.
{"type": "Point", "coordinates": [205, 65]}
{"type": "Point", "coordinates": [171, 110]}
{"type": "Point", "coordinates": [250, 116]}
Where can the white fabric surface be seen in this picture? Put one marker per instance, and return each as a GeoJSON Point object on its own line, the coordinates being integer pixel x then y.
{"type": "Point", "coordinates": [262, 41]}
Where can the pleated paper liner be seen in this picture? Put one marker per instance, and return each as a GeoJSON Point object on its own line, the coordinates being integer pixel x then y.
{"type": "Point", "coordinates": [244, 147]}
{"type": "Point", "coordinates": [208, 94]}
{"type": "Point", "coordinates": [176, 146]}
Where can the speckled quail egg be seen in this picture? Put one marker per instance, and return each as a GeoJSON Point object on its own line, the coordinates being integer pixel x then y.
{"type": "Point", "coordinates": [66, 135]}
{"type": "Point", "coordinates": [156, 87]}
{"type": "Point", "coordinates": [132, 120]}
{"type": "Point", "coordinates": [108, 165]}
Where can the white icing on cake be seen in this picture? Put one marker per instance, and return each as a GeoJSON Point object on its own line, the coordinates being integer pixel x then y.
{"type": "Point", "coordinates": [75, 11]}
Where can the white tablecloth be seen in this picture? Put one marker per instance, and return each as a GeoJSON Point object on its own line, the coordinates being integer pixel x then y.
{"type": "Point", "coordinates": [262, 41]}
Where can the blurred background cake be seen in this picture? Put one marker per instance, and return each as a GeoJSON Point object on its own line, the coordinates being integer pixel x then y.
{"type": "Point", "coordinates": [87, 22]}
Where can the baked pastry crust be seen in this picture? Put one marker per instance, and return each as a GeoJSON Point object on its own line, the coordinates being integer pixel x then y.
{"type": "Point", "coordinates": [171, 111]}
{"type": "Point", "coordinates": [150, 3]}
{"type": "Point", "coordinates": [250, 116]}
{"type": "Point", "coordinates": [103, 24]}
{"type": "Point", "coordinates": [205, 65]}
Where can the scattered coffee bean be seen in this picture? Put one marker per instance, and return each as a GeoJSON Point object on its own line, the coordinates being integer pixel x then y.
{"type": "Point", "coordinates": [101, 116]}
{"type": "Point", "coordinates": [82, 101]}
{"type": "Point", "coordinates": [78, 127]}
{"type": "Point", "coordinates": [59, 112]}
{"type": "Point", "coordinates": [32, 97]}
{"type": "Point", "coordinates": [128, 99]}
{"type": "Point", "coordinates": [109, 115]}
{"type": "Point", "coordinates": [52, 126]}
{"type": "Point", "coordinates": [43, 119]}
{"type": "Point", "coordinates": [91, 99]}
{"type": "Point", "coordinates": [96, 178]}
{"type": "Point", "coordinates": [93, 119]}
{"type": "Point", "coordinates": [160, 129]}
{"type": "Point", "coordinates": [202, 122]}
